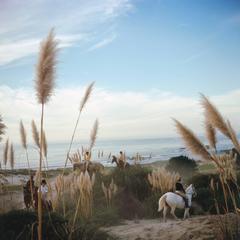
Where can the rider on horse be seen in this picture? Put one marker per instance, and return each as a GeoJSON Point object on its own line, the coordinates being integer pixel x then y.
{"type": "Point", "coordinates": [181, 191]}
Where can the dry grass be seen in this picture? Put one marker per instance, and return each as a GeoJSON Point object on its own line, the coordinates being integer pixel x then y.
{"type": "Point", "coordinates": [214, 116]}
{"type": "Point", "coordinates": [23, 135]}
{"type": "Point", "coordinates": [93, 135]}
{"type": "Point", "coordinates": [24, 145]}
{"type": "Point", "coordinates": [44, 83]}
{"type": "Point", "coordinates": [211, 135]}
{"type": "Point", "coordinates": [46, 68]}
{"type": "Point", "coordinates": [109, 192]}
{"type": "Point", "coordinates": [45, 145]}
{"type": "Point", "coordinates": [216, 120]}
{"type": "Point", "coordinates": [75, 157]}
{"type": "Point", "coordinates": [163, 180]}
{"type": "Point", "coordinates": [35, 134]}
{"type": "Point", "coordinates": [82, 105]}
{"type": "Point", "coordinates": [137, 158]}
{"type": "Point", "coordinates": [86, 96]}
{"type": "Point", "coordinates": [192, 142]}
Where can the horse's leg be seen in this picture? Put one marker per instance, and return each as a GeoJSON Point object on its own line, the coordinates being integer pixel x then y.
{"type": "Point", "coordinates": [173, 212]}
{"type": "Point", "coordinates": [186, 213]}
{"type": "Point", "coordinates": [165, 209]}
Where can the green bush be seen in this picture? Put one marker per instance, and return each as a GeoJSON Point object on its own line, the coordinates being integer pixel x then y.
{"type": "Point", "coordinates": [135, 179]}
{"type": "Point", "coordinates": [205, 196]}
{"type": "Point", "coordinates": [151, 205]}
{"type": "Point", "coordinates": [183, 165]}
{"type": "Point", "coordinates": [88, 230]}
{"type": "Point", "coordinates": [18, 224]}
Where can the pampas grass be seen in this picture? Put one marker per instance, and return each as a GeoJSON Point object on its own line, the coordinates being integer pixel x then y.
{"type": "Point", "coordinates": [46, 68]}
{"type": "Point", "coordinates": [23, 135]}
{"type": "Point", "coordinates": [216, 120]}
{"type": "Point", "coordinates": [163, 180]}
{"type": "Point", "coordinates": [44, 84]}
{"type": "Point", "coordinates": [214, 116]}
{"type": "Point", "coordinates": [45, 145]}
{"type": "Point", "coordinates": [233, 136]}
{"type": "Point", "coordinates": [109, 192]}
{"type": "Point", "coordinates": [211, 135]}
{"type": "Point", "coordinates": [82, 105]}
{"type": "Point", "coordinates": [85, 201]}
{"type": "Point", "coordinates": [86, 96]}
{"type": "Point", "coordinates": [24, 145]}
{"type": "Point", "coordinates": [93, 135]}
{"type": "Point", "coordinates": [192, 142]}
{"type": "Point", "coordinates": [35, 134]}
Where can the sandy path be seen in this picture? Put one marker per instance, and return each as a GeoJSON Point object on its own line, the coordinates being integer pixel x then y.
{"type": "Point", "coordinates": [196, 228]}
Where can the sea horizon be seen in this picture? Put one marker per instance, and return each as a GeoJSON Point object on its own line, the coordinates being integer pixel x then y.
{"type": "Point", "coordinates": [150, 149]}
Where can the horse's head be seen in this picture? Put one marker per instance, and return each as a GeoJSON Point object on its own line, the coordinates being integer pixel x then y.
{"type": "Point", "coordinates": [114, 159]}
{"type": "Point", "coordinates": [191, 190]}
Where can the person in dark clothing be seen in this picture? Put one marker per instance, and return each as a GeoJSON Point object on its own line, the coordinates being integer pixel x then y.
{"type": "Point", "coordinates": [30, 183]}
{"type": "Point", "coordinates": [179, 189]}
{"type": "Point", "coordinates": [28, 191]}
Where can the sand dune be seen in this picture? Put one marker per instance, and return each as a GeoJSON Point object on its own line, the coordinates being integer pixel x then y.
{"type": "Point", "coordinates": [196, 228]}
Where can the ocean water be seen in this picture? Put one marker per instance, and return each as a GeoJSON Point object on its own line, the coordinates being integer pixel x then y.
{"type": "Point", "coordinates": [151, 150]}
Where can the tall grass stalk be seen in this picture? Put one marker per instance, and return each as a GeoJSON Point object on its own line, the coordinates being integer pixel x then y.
{"type": "Point", "coordinates": [45, 81]}
{"type": "Point", "coordinates": [25, 147]}
{"type": "Point", "coordinates": [82, 105]}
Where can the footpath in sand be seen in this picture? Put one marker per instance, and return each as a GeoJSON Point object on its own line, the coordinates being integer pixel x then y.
{"type": "Point", "coordinates": [196, 228]}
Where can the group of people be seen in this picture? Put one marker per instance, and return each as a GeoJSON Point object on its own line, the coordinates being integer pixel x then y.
{"type": "Point", "coordinates": [31, 194]}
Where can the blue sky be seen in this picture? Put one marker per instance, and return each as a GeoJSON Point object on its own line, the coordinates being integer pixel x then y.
{"type": "Point", "coordinates": [183, 47]}
{"type": "Point", "coordinates": [149, 49]}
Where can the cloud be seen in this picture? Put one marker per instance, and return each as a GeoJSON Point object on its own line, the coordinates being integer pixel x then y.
{"type": "Point", "coordinates": [13, 51]}
{"type": "Point", "coordinates": [24, 23]}
{"type": "Point", "coordinates": [102, 43]}
{"type": "Point", "coordinates": [121, 114]}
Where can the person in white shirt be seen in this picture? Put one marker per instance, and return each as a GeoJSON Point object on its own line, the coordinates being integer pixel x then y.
{"type": "Point", "coordinates": [44, 191]}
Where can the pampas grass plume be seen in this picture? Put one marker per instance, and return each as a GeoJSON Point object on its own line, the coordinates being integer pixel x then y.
{"type": "Point", "coordinates": [46, 68]}
{"type": "Point", "coordinates": [35, 134]}
{"type": "Point", "coordinates": [23, 135]}
{"type": "Point", "coordinates": [93, 135]}
{"type": "Point", "coordinates": [86, 96]}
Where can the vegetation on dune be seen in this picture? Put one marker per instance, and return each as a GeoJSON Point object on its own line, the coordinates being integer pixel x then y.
{"type": "Point", "coordinates": [185, 166]}
{"type": "Point", "coordinates": [224, 187]}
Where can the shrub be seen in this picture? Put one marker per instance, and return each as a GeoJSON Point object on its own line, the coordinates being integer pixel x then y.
{"type": "Point", "coordinates": [205, 196]}
{"type": "Point", "coordinates": [135, 179]}
{"type": "Point", "coordinates": [183, 165]}
{"type": "Point", "coordinates": [22, 224]}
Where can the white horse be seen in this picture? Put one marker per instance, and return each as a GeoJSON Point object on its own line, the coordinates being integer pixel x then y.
{"type": "Point", "coordinates": [172, 200]}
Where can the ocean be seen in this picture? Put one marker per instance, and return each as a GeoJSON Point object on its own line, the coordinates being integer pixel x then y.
{"type": "Point", "coordinates": [151, 150]}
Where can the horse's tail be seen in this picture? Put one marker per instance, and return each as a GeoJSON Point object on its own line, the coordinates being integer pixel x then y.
{"type": "Point", "coordinates": [162, 202]}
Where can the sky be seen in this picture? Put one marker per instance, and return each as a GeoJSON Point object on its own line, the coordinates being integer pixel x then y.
{"type": "Point", "coordinates": [149, 59]}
